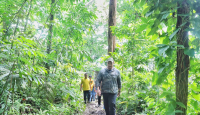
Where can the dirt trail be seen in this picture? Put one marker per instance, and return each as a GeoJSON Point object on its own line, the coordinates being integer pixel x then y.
{"type": "Point", "coordinates": [92, 109]}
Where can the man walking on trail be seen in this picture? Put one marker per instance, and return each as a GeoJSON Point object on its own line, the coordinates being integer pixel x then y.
{"type": "Point", "coordinates": [111, 86]}
{"type": "Point", "coordinates": [92, 92]}
{"type": "Point", "coordinates": [85, 83]}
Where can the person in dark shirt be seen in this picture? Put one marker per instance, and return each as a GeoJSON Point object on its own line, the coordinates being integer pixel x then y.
{"type": "Point", "coordinates": [111, 86]}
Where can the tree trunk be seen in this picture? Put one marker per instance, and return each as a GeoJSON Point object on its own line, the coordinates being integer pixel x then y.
{"type": "Point", "coordinates": [27, 16]}
{"type": "Point", "coordinates": [4, 22]}
{"type": "Point", "coordinates": [9, 26]}
{"type": "Point", "coordinates": [132, 73]}
{"type": "Point", "coordinates": [14, 33]}
{"type": "Point", "coordinates": [4, 28]}
{"type": "Point", "coordinates": [50, 34]}
{"type": "Point", "coordinates": [111, 22]}
{"type": "Point", "coordinates": [182, 59]}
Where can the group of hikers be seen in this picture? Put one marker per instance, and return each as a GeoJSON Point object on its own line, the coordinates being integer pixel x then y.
{"type": "Point", "coordinates": [107, 83]}
{"type": "Point", "coordinates": [89, 90]}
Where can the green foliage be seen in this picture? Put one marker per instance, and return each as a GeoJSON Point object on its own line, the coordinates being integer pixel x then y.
{"type": "Point", "coordinates": [151, 27]}
{"type": "Point", "coordinates": [134, 99]}
{"type": "Point", "coordinates": [25, 85]}
{"type": "Point", "coordinates": [145, 54]}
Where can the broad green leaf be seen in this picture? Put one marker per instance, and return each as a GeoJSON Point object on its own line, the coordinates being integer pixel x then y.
{"type": "Point", "coordinates": [39, 82]}
{"type": "Point", "coordinates": [4, 75]}
{"type": "Point", "coordinates": [159, 80]}
{"type": "Point", "coordinates": [161, 45]}
{"type": "Point", "coordinates": [181, 104]}
{"type": "Point", "coordinates": [173, 42]}
{"type": "Point", "coordinates": [196, 96]}
{"type": "Point", "coordinates": [173, 34]}
{"type": "Point", "coordinates": [194, 86]}
{"type": "Point", "coordinates": [195, 105]}
{"type": "Point", "coordinates": [20, 40]}
{"type": "Point", "coordinates": [165, 93]}
{"type": "Point", "coordinates": [170, 109]}
{"type": "Point", "coordinates": [178, 111]}
{"type": "Point", "coordinates": [154, 37]}
{"type": "Point", "coordinates": [170, 112]}
{"type": "Point", "coordinates": [165, 16]}
{"type": "Point", "coordinates": [144, 19]}
{"type": "Point", "coordinates": [66, 97]}
{"type": "Point", "coordinates": [29, 53]}
{"type": "Point", "coordinates": [29, 77]}
{"type": "Point", "coordinates": [151, 105]}
{"type": "Point", "coordinates": [161, 69]}
{"type": "Point", "coordinates": [183, 24]}
{"type": "Point", "coordinates": [35, 79]}
{"type": "Point", "coordinates": [170, 51]}
{"type": "Point", "coordinates": [189, 52]}
{"type": "Point", "coordinates": [141, 28]}
{"type": "Point", "coordinates": [142, 3]}
{"type": "Point", "coordinates": [145, 10]}
{"type": "Point", "coordinates": [24, 60]}
{"type": "Point", "coordinates": [154, 78]}
{"type": "Point", "coordinates": [180, 46]}
{"type": "Point", "coordinates": [166, 40]}
{"type": "Point", "coordinates": [153, 31]}
{"type": "Point", "coordinates": [162, 50]}
{"type": "Point", "coordinates": [149, 13]}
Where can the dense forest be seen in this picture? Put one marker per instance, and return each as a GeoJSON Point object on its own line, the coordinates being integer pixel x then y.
{"type": "Point", "coordinates": [46, 46]}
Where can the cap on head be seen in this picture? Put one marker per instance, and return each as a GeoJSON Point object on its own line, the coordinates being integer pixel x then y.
{"type": "Point", "coordinates": [110, 59]}
{"type": "Point", "coordinates": [90, 76]}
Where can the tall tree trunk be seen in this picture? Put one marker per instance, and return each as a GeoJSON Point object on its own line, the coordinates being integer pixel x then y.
{"type": "Point", "coordinates": [11, 22]}
{"type": "Point", "coordinates": [27, 16]}
{"type": "Point", "coordinates": [182, 59]}
{"type": "Point", "coordinates": [14, 33]}
{"type": "Point", "coordinates": [111, 22]}
{"type": "Point", "coordinates": [132, 73]}
{"type": "Point", "coordinates": [50, 33]}
{"type": "Point", "coordinates": [4, 22]}
{"type": "Point", "coordinates": [4, 28]}
{"type": "Point", "coordinates": [132, 58]}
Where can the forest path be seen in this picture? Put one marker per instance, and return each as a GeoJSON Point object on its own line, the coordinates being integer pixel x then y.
{"type": "Point", "coordinates": [92, 109]}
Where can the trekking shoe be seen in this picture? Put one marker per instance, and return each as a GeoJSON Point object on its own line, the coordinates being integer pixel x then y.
{"type": "Point", "coordinates": [98, 106]}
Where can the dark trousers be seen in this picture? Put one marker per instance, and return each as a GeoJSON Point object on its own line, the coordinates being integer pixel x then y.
{"type": "Point", "coordinates": [86, 94]}
{"type": "Point", "coordinates": [99, 100]}
{"type": "Point", "coordinates": [109, 101]}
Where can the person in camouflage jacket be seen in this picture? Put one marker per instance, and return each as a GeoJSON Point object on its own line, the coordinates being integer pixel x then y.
{"type": "Point", "coordinates": [111, 86]}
